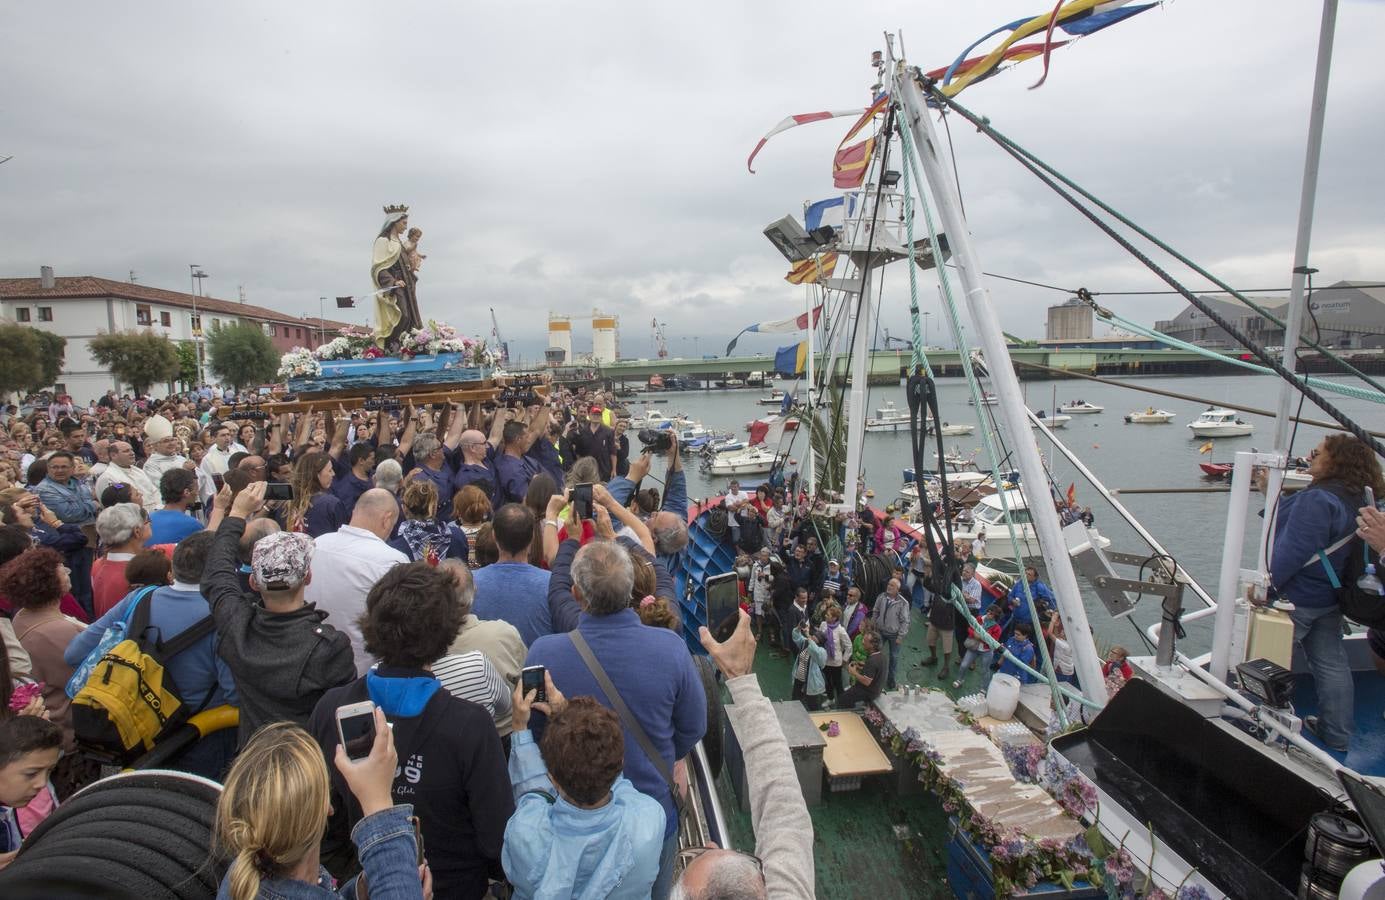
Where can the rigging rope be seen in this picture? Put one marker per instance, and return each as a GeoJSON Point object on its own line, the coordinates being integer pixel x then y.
{"type": "Point", "coordinates": [1030, 161]}
{"type": "Point", "coordinates": [987, 435]}
{"type": "Point", "coordinates": [1258, 351]}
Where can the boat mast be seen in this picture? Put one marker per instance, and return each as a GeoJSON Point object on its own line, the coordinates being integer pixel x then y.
{"type": "Point", "coordinates": [914, 116]}
{"type": "Point", "coordinates": [860, 372]}
{"type": "Point", "coordinates": [812, 469]}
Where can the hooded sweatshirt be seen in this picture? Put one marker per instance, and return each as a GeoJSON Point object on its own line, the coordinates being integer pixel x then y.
{"type": "Point", "coordinates": [451, 768]}
{"type": "Point", "coordinates": [282, 662]}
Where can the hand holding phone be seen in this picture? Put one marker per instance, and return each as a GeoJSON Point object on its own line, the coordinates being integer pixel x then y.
{"type": "Point", "coordinates": [531, 679]}
{"type": "Point", "coordinates": [582, 500]}
{"type": "Point", "coordinates": [370, 779]}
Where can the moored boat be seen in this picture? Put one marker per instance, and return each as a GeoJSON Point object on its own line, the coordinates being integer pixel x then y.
{"type": "Point", "coordinates": [1218, 422]}
{"type": "Point", "coordinates": [1080, 407]}
{"type": "Point", "coordinates": [1149, 416]}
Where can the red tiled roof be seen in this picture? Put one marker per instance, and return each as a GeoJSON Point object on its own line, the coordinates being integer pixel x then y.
{"type": "Point", "coordinates": [75, 287]}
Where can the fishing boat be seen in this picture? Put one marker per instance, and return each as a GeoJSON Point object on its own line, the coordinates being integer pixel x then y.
{"type": "Point", "coordinates": [747, 461]}
{"type": "Point", "coordinates": [1080, 408]}
{"type": "Point", "coordinates": [1149, 416]}
{"type": "Point", "coordinates": [988, 517]}
{"type": "Point", "coordinates": [775, 398]}
{"type": "Point", "coordinates": [888, 418]}
{"type": "Point", "coordinates": [954, 461]}
{"type": "Point", "coordinates": [1218, 422]}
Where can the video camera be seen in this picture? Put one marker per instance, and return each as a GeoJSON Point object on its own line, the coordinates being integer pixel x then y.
{"type": "Point", "coordinates": [655, 440]}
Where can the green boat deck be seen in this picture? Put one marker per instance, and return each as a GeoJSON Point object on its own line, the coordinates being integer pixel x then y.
{"type": "Point", "coordinates": [868, 843]}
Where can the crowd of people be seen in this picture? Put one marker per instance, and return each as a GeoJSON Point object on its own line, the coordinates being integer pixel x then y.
{"type": "Point", "coordinates": [420, 561]}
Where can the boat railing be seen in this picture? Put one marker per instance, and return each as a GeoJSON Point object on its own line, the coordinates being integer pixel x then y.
{"type": "Point", "coordinates": [704, 819]}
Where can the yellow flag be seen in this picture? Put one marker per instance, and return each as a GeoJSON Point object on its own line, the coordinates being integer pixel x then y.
{"type": "Point", "coordinates": [1205, 448]}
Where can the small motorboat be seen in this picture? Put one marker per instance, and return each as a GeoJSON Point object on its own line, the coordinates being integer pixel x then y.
{"type": "Point", "coordinates": [956, 462]}
{"type": "Point", "coordinates": [1218, 422]}
{"type": "Point", "coordinates": [955, 430]}
{"type": "Point", "coordinates": [748, 461]}
{"type": "Point", "coordinates": [1054, 421]}
{"type": "Point", "coordinates": [1080, 407]}
{"type": "Point", "coordinates": [1150, 416]}
{"type": "Point", "coordinates": [987, 399]}
{"type": "Point", "coordinates": [1216, 469]}
{"type": "Point", "coordinates": [888, 418]}
{"type": "Point", "coordinates": [775, 398]}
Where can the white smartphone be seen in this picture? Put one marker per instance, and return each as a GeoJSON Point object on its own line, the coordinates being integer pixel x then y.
{"type": "Point", "coordinates": [356, 728]}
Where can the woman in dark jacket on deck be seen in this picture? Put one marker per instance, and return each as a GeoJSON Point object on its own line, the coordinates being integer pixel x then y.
{"type": "Point", "coordinates": [1307, 526]}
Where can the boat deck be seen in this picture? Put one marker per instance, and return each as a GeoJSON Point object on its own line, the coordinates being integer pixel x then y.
{"type": "Point", "coordinates": [869, 842]}
{"type": "Point", "coordinates": [1367, 753]}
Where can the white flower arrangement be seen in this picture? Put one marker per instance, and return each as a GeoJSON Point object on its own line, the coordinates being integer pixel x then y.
{"type": "Point", "coordinates": [299, 363]}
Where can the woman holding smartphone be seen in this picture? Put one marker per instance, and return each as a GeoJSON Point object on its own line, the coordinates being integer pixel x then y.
{"type": "Point", "coordinates": [273, 811]}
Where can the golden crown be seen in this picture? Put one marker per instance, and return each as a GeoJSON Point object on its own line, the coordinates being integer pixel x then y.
{"type": "Point", "coordinates": [396, 208]}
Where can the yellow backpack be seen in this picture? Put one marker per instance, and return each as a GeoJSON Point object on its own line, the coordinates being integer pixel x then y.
{"type": "Point", "coordinates": [130, 700]}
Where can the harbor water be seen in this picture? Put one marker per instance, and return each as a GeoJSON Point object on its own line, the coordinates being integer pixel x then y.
{"type": "Point", "coordinates": [1191, 526]}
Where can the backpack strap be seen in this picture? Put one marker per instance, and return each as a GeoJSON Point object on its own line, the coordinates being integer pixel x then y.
{"type": "Point", "coordinates": [185, 638]}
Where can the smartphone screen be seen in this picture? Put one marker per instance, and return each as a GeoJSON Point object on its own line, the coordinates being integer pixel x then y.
{"type": "Point", "coordinates": [531, 679]}
{"type": "Point", "coordinates": [723, 604]}
{"type": "Point", "coordinates": [357, 732]}
{"type": "Point", "coordinates": [219, 481]}
{"type": "Point", "coordinates": [278, 490]}
{"type": "Point", "coordinates": [582, 499]}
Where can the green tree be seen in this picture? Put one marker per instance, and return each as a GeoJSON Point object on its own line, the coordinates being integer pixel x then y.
{"type": "Point", "coordinates": [138, 358]}
{"type": "Point", "coordinates": [52, 356]}
{"type": "Point", "coordinates": [20, 367]}
{"type": "Point", "coordinates": [242, 354]}
{"type": "Point", "coordinates": [187, 365]}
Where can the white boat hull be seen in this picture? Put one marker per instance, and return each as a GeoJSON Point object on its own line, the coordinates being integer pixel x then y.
{"type": "Point", "coordinates": [1054, 421]}
{"type": "Point", "coordinates": [1237, 429]}
{"type": "Point", "coordinates": [745, 462]}
{"type": "Point", "coordinates": [1081, 410]}
{"type": "Point", "coordinates": [887, 424]}
{"type": "Point", "coordinates": [957, 430]}
{"type": "Point", "coordinates": [1149, 418]}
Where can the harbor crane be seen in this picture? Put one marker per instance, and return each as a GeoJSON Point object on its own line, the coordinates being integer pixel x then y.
{"type": "Point", "coordinates": [660, 342]}
{"type": "Point", "coordinates": [501, 347]}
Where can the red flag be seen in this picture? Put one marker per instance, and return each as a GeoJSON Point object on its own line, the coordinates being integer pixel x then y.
{"type": "Point", "coordinates": [849, 165]}
{"type": "Point", "coordinates": [1072, 494]}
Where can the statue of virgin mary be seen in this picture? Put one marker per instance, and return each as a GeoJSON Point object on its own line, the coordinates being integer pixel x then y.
{"type": "Point", "coordinates": [396, 309]}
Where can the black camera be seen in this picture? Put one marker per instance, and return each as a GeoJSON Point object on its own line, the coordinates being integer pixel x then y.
{"type": "Point", "coordinates": [655, 441]}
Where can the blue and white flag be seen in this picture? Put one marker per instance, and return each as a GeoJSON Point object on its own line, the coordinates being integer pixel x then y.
{"type": "Point", "coordinates": [815, 213]}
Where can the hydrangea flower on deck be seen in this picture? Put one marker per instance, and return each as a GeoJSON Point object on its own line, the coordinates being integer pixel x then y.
{"type": "Point", "coordinates": [299, 363]}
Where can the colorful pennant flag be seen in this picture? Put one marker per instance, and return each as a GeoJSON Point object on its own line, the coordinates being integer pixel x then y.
{"type": "Point", "coordinates": [794, 122]}
{"type": "Point", "coordinates": [1205, 448]}
{"type": "Point", "coordinates": [779, 326]}
{"type": "Point", "coordinates": [814, 214]}
{"type": "Point", "coordinates": [808, 271]}
{"type": "Point", "coordinates": [1072, 493]}
{"type": "Point", "coordinates": [791, 360]}
{"type": "Point", "coordinates": [849, 165]}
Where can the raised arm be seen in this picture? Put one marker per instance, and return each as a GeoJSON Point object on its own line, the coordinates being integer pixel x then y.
{"type": "Point", "coordinates": [338, 430]}
{"type": "Point", "coordinates": [406, 443]}
{"type": "Point", "coordinates": [305, 430]}
{"type": "Point", "coordinates": [623, 515]}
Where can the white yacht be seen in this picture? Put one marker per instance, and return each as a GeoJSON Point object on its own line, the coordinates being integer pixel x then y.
{"type": "Point", "coordinates": [775, 398]}
{"type": "Point", "coordinates": [1218, 422]}
{"type": "Point", "coordinates": [1080, 407]}
{"type": "Point", "coordinates": [750, 461]}
{"type": "Point", "coordinates": [955, 430]}
{"type": "Point", "coordinates": [889, 418]}
{"type": "Point", "coordinates": [1150, 416]}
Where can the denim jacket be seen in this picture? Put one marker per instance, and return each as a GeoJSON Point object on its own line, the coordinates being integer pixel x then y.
{"type": "Point", "coordinates": [556, 850]}
{"type": "Point", "coordinates": [385, 845]}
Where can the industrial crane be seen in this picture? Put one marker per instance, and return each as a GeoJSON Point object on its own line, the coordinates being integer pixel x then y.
{"type": "Point", "coordinates": [501, 347]}
{"type": "Point", "coordinates": [660, 342]}
{"type": "Point", "coordinates": [896, 341]}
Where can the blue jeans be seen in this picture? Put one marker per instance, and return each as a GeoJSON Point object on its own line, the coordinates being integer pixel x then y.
{"type": "Point", "coordinates": [919, 594]}
{"type": "Point", "coordinates": [663, 885]}
{"type": "Point", "coordinates": [1318, 630]}
{"type": "Point", "coordinates": [982, 658]}
{"type": "Point", "coordinates": [891, 644]}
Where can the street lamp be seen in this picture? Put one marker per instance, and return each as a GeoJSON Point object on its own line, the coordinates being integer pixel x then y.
{"type": "Point", "coordinates": [925, 329]}
{"type": "Point", "coordinates": [195, 275]}
{"type": "Point", "coordinates": [321, 324]}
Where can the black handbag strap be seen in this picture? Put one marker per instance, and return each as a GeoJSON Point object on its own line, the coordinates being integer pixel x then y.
{"type": "Point", "coordinates": [627, 719]}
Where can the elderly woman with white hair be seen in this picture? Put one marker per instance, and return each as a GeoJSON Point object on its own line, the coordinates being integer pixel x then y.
{"type": "Point", "coordinates": [123, 529]}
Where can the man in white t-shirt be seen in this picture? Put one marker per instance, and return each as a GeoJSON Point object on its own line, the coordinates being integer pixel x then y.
{"type": "Point", "coordinates": [735, 497]}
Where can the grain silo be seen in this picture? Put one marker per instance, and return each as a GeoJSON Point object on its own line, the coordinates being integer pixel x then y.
{"type": "Point", "coordinates": [605, 337]}
{"type": "Point", "coordinates": [560, 335]}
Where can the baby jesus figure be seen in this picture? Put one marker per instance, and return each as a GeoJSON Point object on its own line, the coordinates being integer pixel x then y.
{"type": "Point", "coordinates": [411, 253]}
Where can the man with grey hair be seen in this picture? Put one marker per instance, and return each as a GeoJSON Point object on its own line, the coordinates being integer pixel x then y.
{"type": "Point", "coordinates": [782, 867]}
{"type": "Point", "coordinates": [122, 469]}
{"type": "Point", "coordinates": [649, 668]}
{"type": "Point", "coordinates": [434, 461]}
{"type": "Point", "coordinates": [347, 563]}
{"type": "Point", "coordinates": [669, 526]}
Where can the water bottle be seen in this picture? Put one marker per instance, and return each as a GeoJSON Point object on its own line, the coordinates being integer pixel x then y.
{"type": "Point", "coordinates": [1370, 582]}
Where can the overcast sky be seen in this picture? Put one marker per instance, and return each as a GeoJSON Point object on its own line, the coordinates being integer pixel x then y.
{"type": "Point", "coordinates": [566, 156]}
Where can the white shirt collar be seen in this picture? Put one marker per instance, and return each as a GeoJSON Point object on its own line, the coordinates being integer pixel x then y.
{"type": "Point", "coordinates": [186, 588]}
{"type": "Point", "coordinates": [359, 532]}
{"type": "Point", "coordinates": [119, 557]}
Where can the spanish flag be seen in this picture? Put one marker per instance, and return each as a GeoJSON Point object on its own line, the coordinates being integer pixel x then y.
{"type": "Point", "coordinates": [850, 164]}
{"type": "Point", "coordinates": [1205, 448]}
{"type": "Point", "coordinates": [809, 271]}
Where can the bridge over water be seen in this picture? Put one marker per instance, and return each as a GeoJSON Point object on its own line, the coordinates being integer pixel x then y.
{"type": "Point", "coordinates": [890, 366]}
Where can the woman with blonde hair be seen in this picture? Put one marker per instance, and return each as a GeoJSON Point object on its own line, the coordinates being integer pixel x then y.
{"type": "Point", "coordinates": [422, 537]}
{"type": "Point", "coordinates": [314, 509]}
{"type": "Point", "coordinates": [273, 810]}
